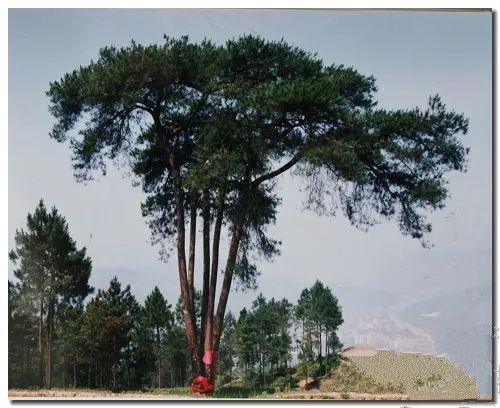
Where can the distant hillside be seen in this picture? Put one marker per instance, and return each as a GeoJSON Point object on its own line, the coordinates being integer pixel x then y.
{"type": "Point", "coordinates": [461, 327]}
{"type": "Point", "coordinates": [420, 376]}
{"type": "Point", "coordinates": [458, 325]}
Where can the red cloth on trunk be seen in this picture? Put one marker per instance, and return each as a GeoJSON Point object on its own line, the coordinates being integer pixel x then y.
{"type": "Point", "coordinates": [200, 385]}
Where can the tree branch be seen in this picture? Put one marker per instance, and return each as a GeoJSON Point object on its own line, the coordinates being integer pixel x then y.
{"type": "Point", "coordinates": [295, 159]}
{"type": "Point", "coordinates": [192, 114]}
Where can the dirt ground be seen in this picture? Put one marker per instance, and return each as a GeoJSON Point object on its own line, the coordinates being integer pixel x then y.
{"type": "Point", "coordinates": [315, 394]}
{"type": "Point", "coordinates": [92, 394]}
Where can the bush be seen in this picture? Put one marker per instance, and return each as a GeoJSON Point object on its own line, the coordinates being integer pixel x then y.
{"type": "Point", "coordinates": [284, 384]}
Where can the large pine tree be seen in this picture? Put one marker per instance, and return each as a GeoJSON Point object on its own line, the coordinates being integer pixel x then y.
{"type": "Point", "coordinates": [208, 128]}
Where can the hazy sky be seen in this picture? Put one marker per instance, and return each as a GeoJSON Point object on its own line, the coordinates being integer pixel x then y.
{"type": "Point", "coordinates": [412, 56]}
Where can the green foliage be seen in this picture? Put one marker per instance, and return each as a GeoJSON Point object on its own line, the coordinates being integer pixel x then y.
{"type": "Point", "coordinates": [263, 339]}
{"type": "Point", "coordinates": [109, 322]}
{"type": "Point", "coordinates": [227, 350]}
{"type": "Point", "coordinates": [51, 282]}
{"type": "Point", "coordinates": [156, 313]}
{"type": "Point", "coordinates": [390, 162]}
{"type": "Point", "coordinates": [225, 117]}
{"type": "Point", "coordinates": [319, 317]}
{"type": "Point", "coordinates": [22, 339]}
{"type": "Point", "coordinates": [48, 264]}
{"type": "Point", "coordinates": [154, 324]}
{"type": "Point", "coordinates": [72, 342]}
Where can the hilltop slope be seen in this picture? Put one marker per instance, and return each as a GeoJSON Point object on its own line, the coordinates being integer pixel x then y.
{"type": "Point", "coordinates": [419, 376]}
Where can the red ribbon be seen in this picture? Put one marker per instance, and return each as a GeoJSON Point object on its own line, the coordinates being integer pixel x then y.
{"type": "Point", "coordinates": [201, 385]}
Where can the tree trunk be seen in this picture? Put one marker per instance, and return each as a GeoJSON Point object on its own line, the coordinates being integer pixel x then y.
{"type": "Point", "coordinates": [21, 373]}
{"type": "Point", "coordinates": [320, 344]}
{"type": "Point", "coordinates": [159, 354]}
{"type": "Point", "coordinates": [159, 372]}
{"type": "Point", "coordinates": [192, 246]}
{"type": "Point", "coordinates": [64, 373]}
{"type": "Point", "coordinates": [128, 365]}
{"type": "Point", "coordinates": [327, 351]}
{"type": "Point", "coordinates": [28, 363]}
{"type": "Point", "coordinates": [50, 329]}
{"type": "Point", "coordinates": [306, 358]}
{"type": "Point", "coordinates": [226, 286]}
{"type": "Point", "coordinates": [208, 358]}
{"type": "Point", "coordinates": [114, 361]}
{"type": "Point", "coordinates": [263, 373]}
{"type": "Point", "coordinates": [230, 361]}
{"type": "Point", "coordinates": [320, 354]}
{"type": "Point", "coordinates": [40, 345]}
{"type": "Point", "coordinates": [74, 373]}
{"type": "Point", "coordinates": [188, 311]}
{"type": "Point", "coordinates": [206, 264]}
{"type": "Point", "coordinates": [89, 373]}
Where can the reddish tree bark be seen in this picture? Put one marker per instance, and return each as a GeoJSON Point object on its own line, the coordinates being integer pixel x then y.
{"type": "Point", "coordinates": [206, 263]}
{"type": "Point", "coordinates": [192, 247]}
{"type": "Point", "coordinates": [187, 309]}
{"type": "Point", "coordinates": [208, 355]}
{"type": "Point", "coordinates": [226, 284]}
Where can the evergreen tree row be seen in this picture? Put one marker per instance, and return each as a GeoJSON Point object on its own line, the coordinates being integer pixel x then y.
{"type": "Point", "coordinates": [60, 338]}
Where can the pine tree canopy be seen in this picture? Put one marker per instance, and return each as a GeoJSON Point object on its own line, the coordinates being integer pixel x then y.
{"type": "Point", "coordinates": [48, 263]}
{"type": "Point", "coordinates": [232, 117]}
